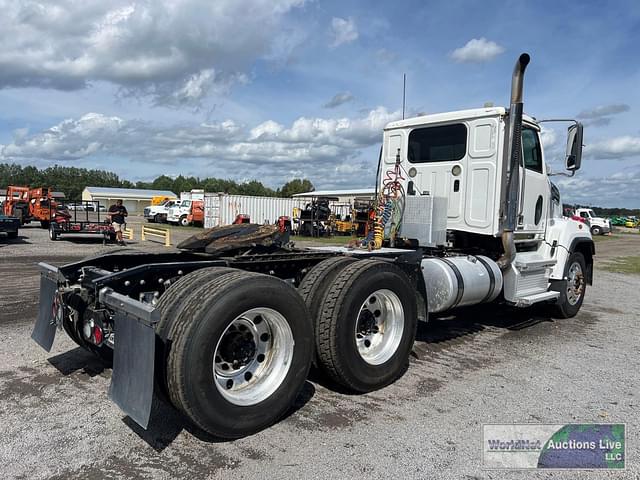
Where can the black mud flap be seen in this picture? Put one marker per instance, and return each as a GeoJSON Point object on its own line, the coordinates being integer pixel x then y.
{"type": "Point", "coordinates": [50, 307]}
{"type": "Point", "coordinates": [133, 355]}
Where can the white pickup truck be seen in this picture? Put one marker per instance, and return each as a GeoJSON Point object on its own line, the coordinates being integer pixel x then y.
{"type": "Point", "coordinates": [158, 213]}
{"type": "Point", "coordinates": [599, 225]}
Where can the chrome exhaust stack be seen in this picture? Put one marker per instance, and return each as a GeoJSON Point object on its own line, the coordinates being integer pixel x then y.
{"type": "Point", "coordinates": [511, 196]}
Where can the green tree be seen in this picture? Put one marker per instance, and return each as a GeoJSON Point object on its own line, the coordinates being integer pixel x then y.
{"type": "Point", "coordinates": [297, 185]}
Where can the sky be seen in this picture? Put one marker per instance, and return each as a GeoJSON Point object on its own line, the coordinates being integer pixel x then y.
{"type": "Point", "coordinates": [280, 89]}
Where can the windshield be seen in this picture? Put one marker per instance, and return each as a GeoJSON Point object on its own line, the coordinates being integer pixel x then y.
{"type": "Point", "coordinates": [591, 213]}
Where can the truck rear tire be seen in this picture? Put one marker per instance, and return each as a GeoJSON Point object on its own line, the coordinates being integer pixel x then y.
{"type": "Point", "coordinates": [572, 296]}
{"type": "Point", "coordinates": [315, 284]}
{"type": "Point", "coordinates": [240, 353]}
{"type": "Point", "coordinates": [53, 235]}
{"type": "Point", "coordinates": [367, 325]}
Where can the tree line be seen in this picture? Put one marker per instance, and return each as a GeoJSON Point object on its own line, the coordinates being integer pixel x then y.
{"type": "Point", "coordinates": [72, 180]}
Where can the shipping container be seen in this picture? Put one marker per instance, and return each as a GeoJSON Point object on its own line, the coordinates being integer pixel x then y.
{"type": "Point", "coordinates": [222, 209]}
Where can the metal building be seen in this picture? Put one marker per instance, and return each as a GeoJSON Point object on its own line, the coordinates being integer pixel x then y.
{"type": "Point", "coordinates": [134, 199]}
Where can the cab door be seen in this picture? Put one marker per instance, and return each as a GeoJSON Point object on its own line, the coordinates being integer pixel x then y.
{"type": "Point", "coordinates": [535, 192]}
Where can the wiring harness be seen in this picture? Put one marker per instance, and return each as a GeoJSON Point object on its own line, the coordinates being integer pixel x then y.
{"type": "Point", "coordinates": [389, 208]}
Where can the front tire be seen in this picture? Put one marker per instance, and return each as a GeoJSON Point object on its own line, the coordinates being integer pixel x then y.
{"type": "Point", "coordinates": [240, 353]}
{"type": "Point", "coordinates": [595, 230]}
{"type": "Point", "coordinates": [184, 221]}
{"type": "Point", "coordinates": [573, 291]}
{"type": "Point", "coordinates": [367, 326]}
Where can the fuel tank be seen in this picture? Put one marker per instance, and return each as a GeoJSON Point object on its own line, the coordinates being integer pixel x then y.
{"type": "Point", "coordinates": [460, 281]}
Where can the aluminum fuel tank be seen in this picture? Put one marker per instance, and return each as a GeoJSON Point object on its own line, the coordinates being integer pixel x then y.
{"type": "Point", "coordinates": [461, 280]}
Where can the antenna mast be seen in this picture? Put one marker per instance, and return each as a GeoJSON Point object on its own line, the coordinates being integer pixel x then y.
{"type": "Point", "coordinates": [404, 92]}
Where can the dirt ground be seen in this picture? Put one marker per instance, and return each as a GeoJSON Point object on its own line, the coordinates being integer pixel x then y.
{"type": "Point", "coordinates": [482, 365]}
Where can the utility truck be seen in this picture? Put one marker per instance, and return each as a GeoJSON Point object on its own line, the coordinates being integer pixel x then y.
{"type": "Point", "coordinates": [598, 225]}
{"type": "Point", "coordinates": [187, 212]}
{"type": "Point", "coordinates": [158, 213]}
{"type": "Point", "coordinates": [465, 214]}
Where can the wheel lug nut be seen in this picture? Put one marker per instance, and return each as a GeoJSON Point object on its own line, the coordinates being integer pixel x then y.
{"type": "Point", "coordinates": [367, 343]}
{"type": "Point", "coordinates": [247, 376]}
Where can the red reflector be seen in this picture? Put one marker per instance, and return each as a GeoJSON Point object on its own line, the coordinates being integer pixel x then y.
{"type": "Point", "coordinates": [97, 335]}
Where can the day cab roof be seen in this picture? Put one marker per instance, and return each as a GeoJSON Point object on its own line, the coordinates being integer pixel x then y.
{"type": "Point", "coordinates": [448, 117]}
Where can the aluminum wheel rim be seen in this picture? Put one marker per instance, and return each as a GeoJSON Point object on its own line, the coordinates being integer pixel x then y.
{"type": "Point", "coordinates": [575, 283]}
{"type": "Point", "coordinates": [253, 356]}
{"type": "Point", "coordinates": [379, 327]}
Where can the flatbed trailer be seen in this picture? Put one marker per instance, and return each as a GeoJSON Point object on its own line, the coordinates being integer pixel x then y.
{"type": "Point", "coordinates": [227, 328]}
{"type": "Point", "coordinates": [88, 221]}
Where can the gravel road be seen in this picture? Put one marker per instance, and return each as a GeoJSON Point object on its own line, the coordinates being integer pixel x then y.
{"type": "Point", "coordinates": [484, 365]}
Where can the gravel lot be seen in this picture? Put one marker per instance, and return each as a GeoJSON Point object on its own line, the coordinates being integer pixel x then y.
{"type": "Point", "coordinates": [481, 366]}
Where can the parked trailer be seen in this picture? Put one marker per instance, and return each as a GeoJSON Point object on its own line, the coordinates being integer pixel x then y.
{"type": "Point", "coordinates": [222, 209]}
{"type": "Point", "coordinates": [229, 335]}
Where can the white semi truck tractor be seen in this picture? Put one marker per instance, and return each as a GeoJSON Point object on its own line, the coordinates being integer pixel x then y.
{"type": "Point", "coordinates": [227, 327]}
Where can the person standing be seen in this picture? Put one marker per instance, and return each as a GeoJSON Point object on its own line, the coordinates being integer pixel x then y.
{"type": "Point", "coordinates": [118, 213]}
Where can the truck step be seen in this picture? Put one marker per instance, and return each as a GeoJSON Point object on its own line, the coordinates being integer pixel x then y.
{"type": "Point", "coordinates": [536, 298]}
{"type": "Point", "coordinates": [533, 262]}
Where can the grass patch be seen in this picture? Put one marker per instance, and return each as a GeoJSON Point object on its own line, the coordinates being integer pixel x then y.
{"type": "Point", "coordinates": [624, 265]}
{"type": "Point", "coordinates": [603, 238]}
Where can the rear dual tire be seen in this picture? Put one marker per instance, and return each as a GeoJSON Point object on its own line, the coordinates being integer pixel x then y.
{"type": "Point", "coordinates": [238, 350]}
{"type": "Point", "coordinates": [365, 322]}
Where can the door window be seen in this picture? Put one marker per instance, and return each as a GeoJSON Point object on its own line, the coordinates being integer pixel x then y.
{"type": "Point", "coordinates": [531, 150]}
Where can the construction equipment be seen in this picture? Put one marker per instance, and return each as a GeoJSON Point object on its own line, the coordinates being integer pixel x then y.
{"type": "Point", "coordinates": [29, 204]}
{"type": "Point", "coordinates": [228, 326]}
{"type": "Point", "coordinates": [314, 219]}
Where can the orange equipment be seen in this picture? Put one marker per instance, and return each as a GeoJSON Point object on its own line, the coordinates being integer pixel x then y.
{"type": "Point", "coordinates": [29, 204]}
{"type": "Point", "coordinates": [196, 217]}
{"type": "Point", "coordinates": [241, 218]}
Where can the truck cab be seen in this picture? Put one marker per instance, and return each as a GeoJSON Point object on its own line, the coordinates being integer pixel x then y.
{"type": "Point", "coordinates": [599, 225]}
{"type": "Point", "coordinates": [494, 194]}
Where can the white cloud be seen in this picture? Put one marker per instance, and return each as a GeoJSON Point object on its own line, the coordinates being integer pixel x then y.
{"type": "Point", "coordinates": [604, 111]}
{"type": "Point", "coordinates": [477, 50]}
{"type": "Point", "coordinates": [343, 30]}
{"type": "Point", "coordinates": [616, 148]}
{"type": "Point", "coordinates": [176, 51]}
{"type": "Point", "coordinates": [604, 191]}
{"type": "Point", "coordinates": [322, 148]}
{"type": "Point", "coordinates": [339, 99]}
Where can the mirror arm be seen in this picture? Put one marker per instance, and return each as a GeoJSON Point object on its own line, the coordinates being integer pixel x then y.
{"type": "Point", "coordinates": [551, 174]}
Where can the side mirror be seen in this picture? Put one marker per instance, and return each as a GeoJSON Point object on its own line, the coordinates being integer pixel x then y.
{"type": "Point", "coordinates": [574, 147]}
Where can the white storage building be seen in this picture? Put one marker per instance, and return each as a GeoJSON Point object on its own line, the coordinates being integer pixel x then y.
{"type": "Point", "coordinates": [134, 199]}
